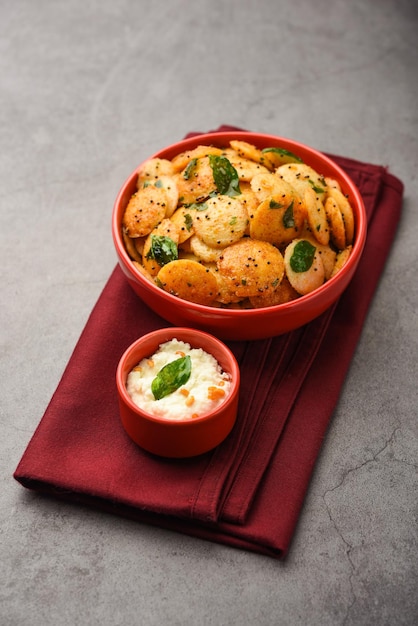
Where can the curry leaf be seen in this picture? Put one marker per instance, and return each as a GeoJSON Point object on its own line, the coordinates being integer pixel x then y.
{"type": "Point", "coordinates": [188, 221]}
{"type": "Point", "coordinates": [189, 169]}
{"type": "Point", "coordinates": [275, 205]}
{"type": "Point", "coordinates": [303, 256]}
{"type": "Point", "coordinates": [285, 155]}
{"type": "Point", "coordinates": [315, 187]}
{"type": "Point", "coordinates": [288, 217]}
{"type": "Point", "coordinates": [225, 175]}
{"type": "Point", "coordinates": [171, 377]}
{"type": "Point", "coordinates": [197, 206]}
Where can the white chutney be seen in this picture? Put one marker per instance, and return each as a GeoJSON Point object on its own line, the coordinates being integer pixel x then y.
{"type": "Point", "coordinates": [207, 387]}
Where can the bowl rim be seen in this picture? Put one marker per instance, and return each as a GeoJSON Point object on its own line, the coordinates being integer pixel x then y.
{"type": "Point", "coordinates": [207, 139]}
{"type": "Point", "coordinates": [179, 332]}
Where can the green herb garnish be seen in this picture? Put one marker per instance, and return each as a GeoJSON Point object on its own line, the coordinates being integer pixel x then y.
{"type": "Point", "coordinates": [275, 205]}
{"type": "Point", "coordinates": [315, 187]}
{"type": "Point", "coordinates": [188, 221]}
{"type": "Point", "coordinates": [225, 176]}
{"type": "Point", "coordinates": [163, 250]}
{"type": "Point", "coordinates": [285, 155]}
{"type": "Point", "coordinates": [303, 256]}
{"type": "Point", "coordinates": [197, 206]}
{"type": "Point", "coordinates": [171, 377]}
{"type": "Point", "coordinates": [288, 217]}
{"type": "Point", "coordinates": [149, 183]}
{"type": "Point", "coordinates": [190, 169]}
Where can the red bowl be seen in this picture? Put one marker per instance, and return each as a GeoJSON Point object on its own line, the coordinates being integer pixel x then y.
{"type": "Point", "coordinates": [178, 438]}
{"type": "Point", "coordinates": [246, 324]}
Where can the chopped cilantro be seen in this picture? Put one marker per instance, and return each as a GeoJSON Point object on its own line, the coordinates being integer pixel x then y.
{"type": "Point", "coordinates": [163, 250]}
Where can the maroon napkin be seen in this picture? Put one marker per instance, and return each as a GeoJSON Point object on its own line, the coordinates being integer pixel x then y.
{"type": "Point", "coordinates": [247, 493]}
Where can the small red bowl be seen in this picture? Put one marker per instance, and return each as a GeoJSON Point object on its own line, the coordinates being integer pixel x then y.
{"type": "Point", "coordinates": [178, 438]}
{"type": "Point", "coordinates": [246, 324]}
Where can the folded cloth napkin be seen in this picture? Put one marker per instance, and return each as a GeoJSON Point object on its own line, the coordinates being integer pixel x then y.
{"type": "Point", "coordinates": [249, 491]}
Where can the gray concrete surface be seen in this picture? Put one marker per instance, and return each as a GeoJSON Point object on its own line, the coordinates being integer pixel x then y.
{"type": "Point", "coordinates": [88, 88]}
